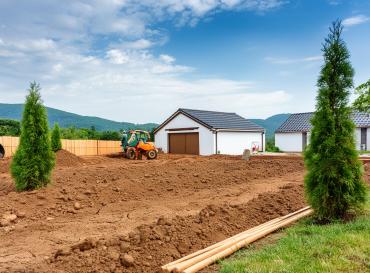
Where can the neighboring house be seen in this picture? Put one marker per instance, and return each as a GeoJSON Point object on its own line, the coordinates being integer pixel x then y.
{"type": "Point", "coordinates": [207, 132]}
{"type": "Point", "coordinates": [294, 134]}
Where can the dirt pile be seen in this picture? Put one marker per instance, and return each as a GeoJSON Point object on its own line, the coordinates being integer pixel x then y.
{"type": "Point", "coordinates": [63, 159]}
{"type": "Point", "coordinates": [5, 165]}
{"type": "Point", "coordinates": [149, 246]}
{"type": "Point", "coordinates": [67, 159]}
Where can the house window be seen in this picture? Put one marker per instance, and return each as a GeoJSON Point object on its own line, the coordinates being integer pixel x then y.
{"type": "Point", "coordinates": [363, 139]}
{"type": "Point", "coordinates": [304, 140]}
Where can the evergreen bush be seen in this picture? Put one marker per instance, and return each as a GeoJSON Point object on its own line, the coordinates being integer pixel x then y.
{"type": "Point", "coordinates": [56, 143]}
{"type": "Point", "coordinates": [34, 160]}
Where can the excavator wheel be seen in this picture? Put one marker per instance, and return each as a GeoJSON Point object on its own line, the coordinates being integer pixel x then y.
{"type": "Point", "coordinates": [131, 153]}
{"type": "Point", "coordinates": [152, 154]}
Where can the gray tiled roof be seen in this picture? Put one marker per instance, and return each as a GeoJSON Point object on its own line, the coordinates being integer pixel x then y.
{"type": "Point", "coordinates": [221, 120]}
{"type": "Point", "coordinates": [301, 122]}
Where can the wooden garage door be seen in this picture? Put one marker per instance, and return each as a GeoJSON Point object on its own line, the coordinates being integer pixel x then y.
{"type": "Point", "coordinates": [184, 143]}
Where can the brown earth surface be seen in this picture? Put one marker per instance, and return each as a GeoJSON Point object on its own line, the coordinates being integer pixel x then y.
{"type": "Point", "coordinates": [66, 159]}
{"type": "Point", "coordinates": [104, 214]}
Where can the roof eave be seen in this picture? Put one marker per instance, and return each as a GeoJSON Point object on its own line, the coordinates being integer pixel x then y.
{"type": "Point", "coordinates": [291, 131]}
{"type": "Point", "coordinates": [239, 130]}
{"type": "Point", "coordinates": [180, 111]}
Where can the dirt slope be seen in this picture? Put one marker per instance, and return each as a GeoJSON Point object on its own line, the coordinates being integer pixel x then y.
{"type": "Point", "coordinates": [155, 244]}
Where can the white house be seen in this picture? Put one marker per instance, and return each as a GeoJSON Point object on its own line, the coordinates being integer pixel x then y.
{"type": "Point", "coordinates": [201, 132]}
{"type": "Point", "coordinates": [294, 134]}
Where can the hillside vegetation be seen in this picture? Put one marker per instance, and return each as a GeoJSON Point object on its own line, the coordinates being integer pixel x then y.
{"type": "Point", "coordinates": [70, 120]}
{"type": "Point", "coordinates": [66, 119]}
{"type": "Point", "coordinates": [271, 123]}
{"type": "Point", "coordinates": [9, 127]}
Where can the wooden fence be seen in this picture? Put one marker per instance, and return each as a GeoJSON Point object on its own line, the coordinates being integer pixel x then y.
{"type": "Point", "coordinates": [9, 144]}
{"type": "Point", "coordinates": [77, 147]}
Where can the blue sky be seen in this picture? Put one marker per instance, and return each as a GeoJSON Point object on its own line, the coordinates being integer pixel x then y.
{"type": "Point", "coordinates": [139, 61]}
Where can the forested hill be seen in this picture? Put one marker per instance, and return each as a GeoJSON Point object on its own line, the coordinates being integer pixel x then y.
{"type": "Point", "coordinates": [66, 119]}
{"type": "Point", "coordinates": [271, 123]}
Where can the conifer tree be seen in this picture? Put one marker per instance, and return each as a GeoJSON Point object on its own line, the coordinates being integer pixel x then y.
{"type": "Point", "coordinates": [34, 160]}
{"type": "Point", "coordinates": [56, 143]}
{"type": "Point", "coordinates": [333, 183]}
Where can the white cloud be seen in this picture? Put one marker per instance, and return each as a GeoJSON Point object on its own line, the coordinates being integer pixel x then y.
{"type": "Point", "coordinates": [93, 86]}
{"type": "Point", "coordinates": [334, 2]}
{"type": "Point", "coordinates": [138, 44]}
{"type": "Point", "coordinates": [116, 56]}
{"type": "Point", "coordinates": [96, 58]}
{"type": "Point", "coordinates": [309, 59]}
{"type": "Point", "coordinates": [355, 20]}
{"type": "Point", "coordinates": [58, 67]}
{"type": "Point", "coordinates": [167, 58]}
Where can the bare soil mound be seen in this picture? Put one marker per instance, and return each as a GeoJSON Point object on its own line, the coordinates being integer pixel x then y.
{"type": "Point", "coordinates": [63, 159]}
{"type": "Point", "coordinates": [67, 159]}
{"type": "Point", "coordinates": [151, 246]}
{"type": "Point", "coordinates": [5, 164]}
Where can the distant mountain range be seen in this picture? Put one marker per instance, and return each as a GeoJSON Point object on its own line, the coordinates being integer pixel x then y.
{"type": "Point", "coordinates": [271, 123]}
{"type": "Point", "coordinates": [66, 119]}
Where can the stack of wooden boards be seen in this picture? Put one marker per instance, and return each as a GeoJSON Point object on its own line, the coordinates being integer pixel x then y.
{"type": "Point", "coordinates": [202, 258]}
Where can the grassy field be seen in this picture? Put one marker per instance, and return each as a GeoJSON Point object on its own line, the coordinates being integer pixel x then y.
{"type": "Point", "coordinates": [306, 247]}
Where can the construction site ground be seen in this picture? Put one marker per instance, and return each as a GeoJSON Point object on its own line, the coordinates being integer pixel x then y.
{"type": "Point", "coordinates": [110, 214]}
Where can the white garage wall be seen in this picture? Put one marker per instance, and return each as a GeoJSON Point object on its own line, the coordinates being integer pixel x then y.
{"type": "Point", "coordinates": [206, 137]}
{"type": "Point", "coordinates": [289, 142]}
{"type": "Point", "coordinates": [358, 139]}
{"type": "Point", "coordinates": [234, 143]}
{"type": "Point", "coordinates": [292, 142]}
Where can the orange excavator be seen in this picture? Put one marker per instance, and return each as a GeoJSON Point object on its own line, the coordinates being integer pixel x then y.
{"type": "Point", "coordinates": [136, 143]}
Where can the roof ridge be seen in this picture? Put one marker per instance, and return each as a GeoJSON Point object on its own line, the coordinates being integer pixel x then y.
{"type": "Point", "coordinates": [206, 111]}
{"type": "Point", "coordinates": [216, 120]}
{"type": "Point", "coordinates": [301, 113]}
{"type": "Point", "coordinates": [300, 122]}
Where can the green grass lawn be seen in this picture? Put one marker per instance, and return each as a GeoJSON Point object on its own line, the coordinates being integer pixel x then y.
{"type": "Point", "coordinates": [310, 248]}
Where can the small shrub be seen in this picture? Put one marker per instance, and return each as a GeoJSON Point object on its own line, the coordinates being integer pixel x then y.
{"type": "Point", "coordinates": [270, 146]}
{"type": "Point", "coordinates": [56, 143]}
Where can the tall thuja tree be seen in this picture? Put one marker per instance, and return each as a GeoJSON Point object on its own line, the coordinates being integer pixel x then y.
{"type": "Point", "coordinates": [56, 142]}
{"type": "Point", "coordinates": [333, 183]}
{"type": "Point", "coordinates": [34, 160]}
